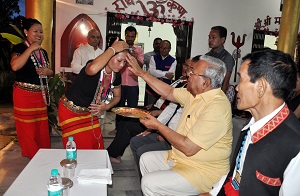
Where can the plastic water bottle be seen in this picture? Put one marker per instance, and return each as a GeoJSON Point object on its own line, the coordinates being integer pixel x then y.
{"type": "Point", "coordinates": [71, 151]}
{"type": "Point", "coordinates": [54, 184]}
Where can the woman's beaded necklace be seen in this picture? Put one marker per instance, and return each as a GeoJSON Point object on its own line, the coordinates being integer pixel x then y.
{"type": "Point", "coordinates": [104, 95]}
{"type": "Point", "coordinates": [40, 62]}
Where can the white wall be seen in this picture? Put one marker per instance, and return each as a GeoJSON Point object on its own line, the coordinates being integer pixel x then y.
{"type": "Point", "coordinates": [237, 16]}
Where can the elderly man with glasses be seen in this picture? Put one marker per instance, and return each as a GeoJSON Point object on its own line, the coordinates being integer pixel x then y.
{"type": "Point", "coordinates": [201, 144]}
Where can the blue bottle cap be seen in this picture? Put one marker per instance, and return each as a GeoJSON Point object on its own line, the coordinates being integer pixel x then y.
{"type": "Point", "coordinates": [54, 172]}
{"type": "Point", "coordinates": [70, 138]}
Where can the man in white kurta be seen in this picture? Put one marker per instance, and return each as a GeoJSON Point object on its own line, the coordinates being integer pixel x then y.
{"type": "Point", "coordinates": [86, 52]}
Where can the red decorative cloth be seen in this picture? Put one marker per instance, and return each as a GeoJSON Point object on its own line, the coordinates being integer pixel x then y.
{"type": "Point", "coordinates": [229, 190]}
{"type": "Point", "coordinates": [86, 134]}
{"type": "Point", "coordinates": [31, 120]}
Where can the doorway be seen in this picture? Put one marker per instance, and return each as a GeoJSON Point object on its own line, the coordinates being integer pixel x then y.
{"type": "Point", "coordinates": [145, 39]}
{"type": "Point", "coordinates": [179, 33]}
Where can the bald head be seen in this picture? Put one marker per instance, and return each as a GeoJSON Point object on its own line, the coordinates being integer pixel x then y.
{"type": "Point", "coordinates": [93, 38]}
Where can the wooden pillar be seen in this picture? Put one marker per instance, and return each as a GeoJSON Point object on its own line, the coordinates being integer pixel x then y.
{"type": "Point", "coordinates": [42, 10]}
{"type": "Point", "coordinates": [289, 26]}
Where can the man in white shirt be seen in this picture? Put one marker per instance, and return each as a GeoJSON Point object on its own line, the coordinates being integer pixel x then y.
{"type": "Point", "coordinates": [86, 52]}
{"type": "Point", "coordinates": [161, 66]}
{"type": "Point", "coordinates": [267, 153]}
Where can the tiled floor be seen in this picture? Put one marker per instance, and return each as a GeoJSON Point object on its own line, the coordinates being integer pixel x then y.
{"type": "Point", "coordinates": [125, 179]}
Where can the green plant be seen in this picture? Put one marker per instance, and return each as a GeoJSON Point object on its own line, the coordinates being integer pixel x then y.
{"type": "Point", "coordinates": [14, 39]}
{"type": "Point", "coordinates": [8, 39]}
{"type": "Point", "coordinates": [57, 85]}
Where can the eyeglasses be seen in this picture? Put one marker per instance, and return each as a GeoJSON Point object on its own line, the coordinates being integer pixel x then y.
{"type": "Point", "coordinates": [191, 72]}
{"type": "Point", "coordinates": [164, 48]}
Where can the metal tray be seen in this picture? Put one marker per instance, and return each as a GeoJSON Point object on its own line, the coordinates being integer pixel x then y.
{"type": "Point", "coordinates": [130, 112]}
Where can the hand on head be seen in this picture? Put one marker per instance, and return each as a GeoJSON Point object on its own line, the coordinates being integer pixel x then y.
{"type": "Point", "coordinates": [134, 65]}
{"type": "Point", "coordinates": [119, 45]}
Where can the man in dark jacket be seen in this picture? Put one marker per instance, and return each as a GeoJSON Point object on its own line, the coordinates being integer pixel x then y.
{"type": "Point", "coordinates": [267, 154]}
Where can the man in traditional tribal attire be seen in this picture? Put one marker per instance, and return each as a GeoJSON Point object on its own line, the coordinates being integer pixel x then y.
{"type": "Point", "coordinates": [267, 153]}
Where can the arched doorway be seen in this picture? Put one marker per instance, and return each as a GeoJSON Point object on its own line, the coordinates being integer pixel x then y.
{"type": "Point", "coordinates": [75, 35]}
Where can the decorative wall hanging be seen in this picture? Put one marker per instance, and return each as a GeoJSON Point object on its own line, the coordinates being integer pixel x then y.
{"type": "Point", "coordinates": [155, 11]}
{"type": "Point", "coordinates": [151, 18]}
{"type": "Point", "coordinates": [162, 11]}
{"type": "Point", "coordinates": [266, 23]}
{"type": "Point", "coordinates": [237, 52]}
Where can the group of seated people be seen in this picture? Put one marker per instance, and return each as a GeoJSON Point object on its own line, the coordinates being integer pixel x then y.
{"type": "Point", "coordinates": [165, 111]}
{"type": "Point", "coordinates": [183, 146]}
{"type": "Point", "coordinates": [193, 151]}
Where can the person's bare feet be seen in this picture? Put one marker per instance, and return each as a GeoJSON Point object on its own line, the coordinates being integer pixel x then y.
{"type": "Point", "coordinates": [115, 160]}
{"type": "Point", "coordinates": [113, 132]}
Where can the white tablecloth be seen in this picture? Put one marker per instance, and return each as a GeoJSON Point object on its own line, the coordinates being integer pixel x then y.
{"type": "Point", "coordinates": [33, 179]}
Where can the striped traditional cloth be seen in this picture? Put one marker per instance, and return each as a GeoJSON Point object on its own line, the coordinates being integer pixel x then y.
{"type": "Point", "coordinates": [86, 134]}
{"type": "Point", "coordinates": [31, 119]}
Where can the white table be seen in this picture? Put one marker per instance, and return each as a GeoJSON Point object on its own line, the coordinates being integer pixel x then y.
{"type": "Point", "coordinates": [33, 179]}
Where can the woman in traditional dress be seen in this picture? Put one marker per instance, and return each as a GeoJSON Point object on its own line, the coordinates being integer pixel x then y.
{"type": "Point", "coordinates": [95, 90]}
{"type": "Point", "coordinates": [30, 94]}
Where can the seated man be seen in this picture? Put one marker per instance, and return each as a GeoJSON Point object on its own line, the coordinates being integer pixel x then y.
{"type": "Point", "coordinates": [268, 151]}
{"type": "Point", "coordinates": [128, 128]}
{"type": "Point", "coordinates": [201, 144]}
{"type": "Point", "coordinates": [154, 141]}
